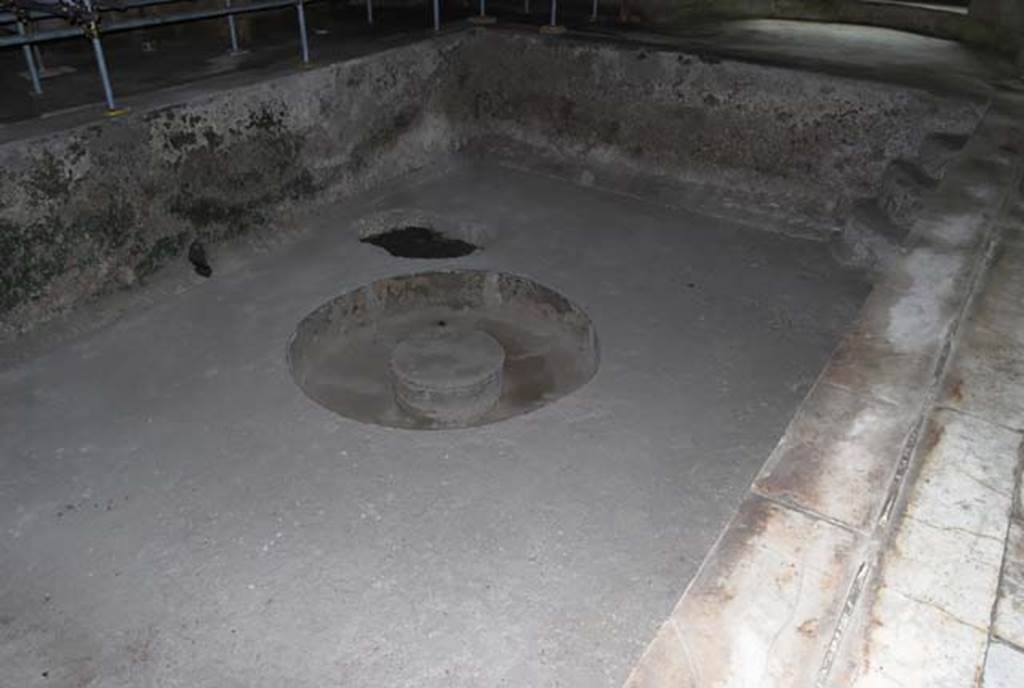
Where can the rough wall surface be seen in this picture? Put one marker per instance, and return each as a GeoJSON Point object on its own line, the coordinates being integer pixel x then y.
{"type": "Point", "coordinates": [1007, 17]}
{"type": "Point", "coordinates": [794, 148]}
{"type": "Point", "coordinates": [86, 209]}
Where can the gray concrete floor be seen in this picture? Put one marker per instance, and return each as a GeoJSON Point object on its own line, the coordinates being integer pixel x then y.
{"type": "Point", "coordinates": [174, 512]}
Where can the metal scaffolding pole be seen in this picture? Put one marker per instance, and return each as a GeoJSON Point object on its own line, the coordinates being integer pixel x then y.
{"type": "Point", "coordinates": [92, 31]}
{"type": "Point", "coordinates": [232, 30]}
{"type": "Point", "coordinates": [552, 27]}
{"type": "Point", "coordinates": [303, 39]}
{"type": "Point", "coordinates": [482, 18]}
{"type": "Point", "coordinates": [146, 22]}
{"type": "Point", "coordinates": [101, 62]}
{"type": "Point", "coordinates": [10, 17]}
{"type": "Point", "coordinates": [30, 61]}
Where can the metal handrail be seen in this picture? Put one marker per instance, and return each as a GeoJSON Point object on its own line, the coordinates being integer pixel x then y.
{"type": "Point", "coordinates": [148, 22]}
{"type": "Point", "coordinates": [87, 23]}
{"type": "Point", "coordinates": [38, 14]}
{"type": "Point", "coordinates": [92, 31]}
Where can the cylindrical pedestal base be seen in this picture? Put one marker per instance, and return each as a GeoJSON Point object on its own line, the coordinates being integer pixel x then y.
{"type": "Point", "coordinates": [448, 376]}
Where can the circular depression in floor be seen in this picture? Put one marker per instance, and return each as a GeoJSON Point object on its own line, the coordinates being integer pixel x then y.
{"type": "Point", "coordinates": [443, 349]}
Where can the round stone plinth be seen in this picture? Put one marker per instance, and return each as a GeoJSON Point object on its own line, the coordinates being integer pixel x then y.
{"type": "Point", "coordinates": [448, 376]}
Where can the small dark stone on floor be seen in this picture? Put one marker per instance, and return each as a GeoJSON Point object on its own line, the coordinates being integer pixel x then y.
{"type": "Point", "coordinates": [197, 256]}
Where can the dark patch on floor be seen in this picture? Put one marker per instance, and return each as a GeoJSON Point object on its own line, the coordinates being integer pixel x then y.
{"type": "Point", "coordinates": [420, 242]}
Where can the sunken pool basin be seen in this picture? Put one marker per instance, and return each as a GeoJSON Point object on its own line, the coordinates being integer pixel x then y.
{"type": "Point", "coordinates": [230, 483]}
{"type": "Point", "coordinates": [540, 548]}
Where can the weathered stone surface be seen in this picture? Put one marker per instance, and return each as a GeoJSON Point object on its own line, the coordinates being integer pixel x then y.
{"type": "Point", "coordinates": [958, 213]}
{"type": "Point", "coordinates": [763, 608]}
{"type": "Point", "coordinates": [987, 377]}
{"type": "Point", "coordinates": [1000, 309]}
{"type": "Point", "coordinates": [938, 151]}
{"type": "Point", "coordinates": [952, 224]}
{"type": "Point", "coordinates": [904, 642]}
{"type": "Point", "coordinates": [890, 353]}
{"type": "Point", "coordinates": [949, 546]}
{"type": "Point", "coordinates": [838, 456]}
{"type": "Point", "coordinates": [869, 237]}
{"type": "Point", "coordinates": [872, 367]}
{"type": "Point", "coordinates": [901, 192]}
{"type": "Point", "coordinates": [925, 622]}
{"type": "Point", "coordinates": [93, 207]}
{"type": "Point", "coordinates": [1004, 667]}
{"type": "Point", "coordinates": [1008, 623]}
{"type": "Point", "coordinates": [754, 136]}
